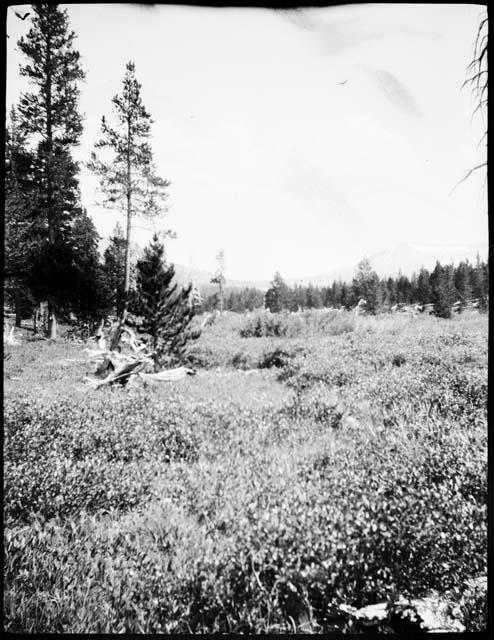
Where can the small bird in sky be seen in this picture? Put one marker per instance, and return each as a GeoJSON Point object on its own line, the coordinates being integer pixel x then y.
{"type": "Point", "coordinates": [344, 82]}
{"type": "Point", "coordinates": [21, 17]}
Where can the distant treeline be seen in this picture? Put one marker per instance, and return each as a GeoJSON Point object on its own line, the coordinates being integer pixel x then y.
{"type": "Point", "coordinates": [442, 287]}
{"type": "Point", "coordinates": [245, 299]}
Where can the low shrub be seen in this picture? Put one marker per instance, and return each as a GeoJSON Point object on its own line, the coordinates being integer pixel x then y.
{"type": "Point", "coordinates": [63, 458]}
{"type": "Point", "coordinates": [330, 322]}
{"type": "Point", "coordinates": [200, 357]}
{"type": "Point", "coordinates": [398, 359]}
{"type": "Point", "coordinates": [277, 357]}
{"type": "Point", "coordinates": [268, 325]}
{"type": "Point", "coordinates": [240, 360]}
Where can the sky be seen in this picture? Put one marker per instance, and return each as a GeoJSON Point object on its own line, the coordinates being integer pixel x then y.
{"type": "Point", "coordinates": [296, 141]}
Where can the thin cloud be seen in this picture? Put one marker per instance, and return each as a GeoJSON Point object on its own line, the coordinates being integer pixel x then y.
{"type": "Point", "coordinates": [304, 180]}
{"type": "Point", "coordinates": [395, 92]}
{"type": "Point", "coordinates": [337, 35]}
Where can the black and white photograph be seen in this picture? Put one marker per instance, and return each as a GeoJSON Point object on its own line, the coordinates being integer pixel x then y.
{"type": "Point", "coordinates": [245, 319]}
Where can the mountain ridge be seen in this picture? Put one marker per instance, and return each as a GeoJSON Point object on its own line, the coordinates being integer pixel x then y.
{"type": "Point", "coordinates": [406, 258]}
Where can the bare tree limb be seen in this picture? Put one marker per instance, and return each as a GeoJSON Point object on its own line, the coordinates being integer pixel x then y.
{"type": "Point", "coordinates": [479, 166]}
{"type": "Point", "coordinates": [478, 81]}
{"type": "Point", "coordinates": [484, 135]}
{"type": "Point", "coordinates": [474, 77]}
{"type": "Point", "coordinates": [481, 104]}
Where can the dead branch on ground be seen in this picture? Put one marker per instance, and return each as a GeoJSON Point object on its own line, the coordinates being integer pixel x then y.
{"type": "Point", "coordinates": [117, 366]}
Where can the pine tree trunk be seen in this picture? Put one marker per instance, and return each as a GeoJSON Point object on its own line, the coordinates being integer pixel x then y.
{"type": "Point", "coordinates": [52, 322]}
{"type": "Point", "coordinates": [127, 252]}
{"type": "Point", "coordinates": [129, 223]}
{"type": "Point", "coordinates": [18, 315]}
{"type": "Point", "coordinates": [52, 319]}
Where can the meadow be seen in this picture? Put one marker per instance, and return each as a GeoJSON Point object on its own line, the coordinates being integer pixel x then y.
{"type": "Point", "coordinates": [312, 461]}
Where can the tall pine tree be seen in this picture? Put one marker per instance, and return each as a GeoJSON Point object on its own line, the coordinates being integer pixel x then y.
{"type": "Point", "coordinates": [20, 238]}
{"type": "Point", "coordinates": [128, 178]}
{"type": "Point", "coordinates": [49, 117]}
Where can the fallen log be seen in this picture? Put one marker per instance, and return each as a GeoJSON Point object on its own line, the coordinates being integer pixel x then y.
{"type": "Point", "coordinates": [168, 375]}
{"type": "Point", "coordinates": [120, 374]}
{"type": "Point", "coordinates": [114, 366]}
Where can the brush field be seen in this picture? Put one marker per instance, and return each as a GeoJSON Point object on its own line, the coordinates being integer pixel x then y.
{"type": "Point", "coordinates": [312, 461]}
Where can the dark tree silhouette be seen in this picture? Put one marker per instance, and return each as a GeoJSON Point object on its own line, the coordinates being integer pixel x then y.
{"type": "Point", "coordinates": [20, 220]}
{"type": "Point", "coordinates": [278, 295]}
{"type": "Point", "coordinates": [49, 118]}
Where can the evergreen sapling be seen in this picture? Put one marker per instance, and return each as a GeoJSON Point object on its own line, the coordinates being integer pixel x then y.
{"type": "Point", "coordinates": [165, 311]}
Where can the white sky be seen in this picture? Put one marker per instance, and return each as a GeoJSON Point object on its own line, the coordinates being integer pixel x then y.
{"type": "Point", "coordinates": [269, 156]}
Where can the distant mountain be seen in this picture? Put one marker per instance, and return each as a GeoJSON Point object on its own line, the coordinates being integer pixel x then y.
{"type": "Point", "coordinates": [197, 276]}
{"type": "Point", "coordinates": [345, 274]}
{"type": "Point", "coordinates": [202, 280]}
{"type": "Point", "coordinates": [410, 257]}
{"type": "Point", "coordinates": [405, 257]}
